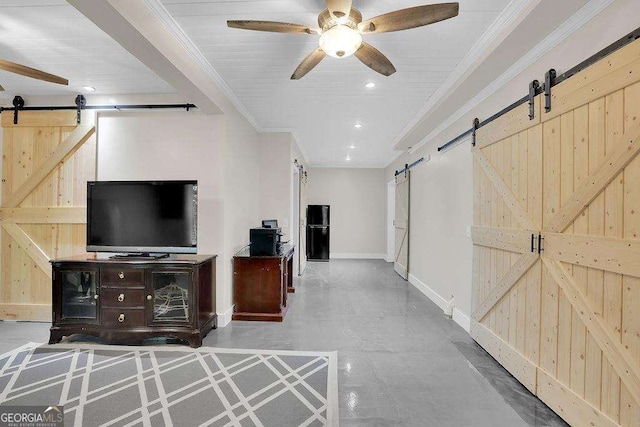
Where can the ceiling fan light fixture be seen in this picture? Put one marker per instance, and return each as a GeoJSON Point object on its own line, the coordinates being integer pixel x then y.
{"type": "Point", "coordinates": [340, 41]}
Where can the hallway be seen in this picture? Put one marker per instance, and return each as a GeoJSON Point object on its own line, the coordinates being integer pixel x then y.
{"type": "Point", "coordinates": [400, 361]}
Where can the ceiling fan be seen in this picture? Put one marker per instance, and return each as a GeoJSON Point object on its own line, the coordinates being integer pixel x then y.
{"type": "Point", "coordinates": [341, 28]}
{"type": "Point", "coordinates": [23, 70]}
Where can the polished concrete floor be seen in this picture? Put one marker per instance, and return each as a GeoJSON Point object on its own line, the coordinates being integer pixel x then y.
{"type": "Point", "coordinates": [401, 362]}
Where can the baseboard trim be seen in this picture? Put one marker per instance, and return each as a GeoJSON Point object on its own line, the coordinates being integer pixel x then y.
{"type": "Point", "coordinates": [225, 318]}
{"type": "Point", "coordinates": [458, 316]}
{"type": "Point", "coordinates": [356, 256]}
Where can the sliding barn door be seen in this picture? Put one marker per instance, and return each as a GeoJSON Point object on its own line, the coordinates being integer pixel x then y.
{"type": "Point", "coordinates": [401, 224]}
{"type": "Point", "coordinates": [302, 233]}
{"type": "Point", "coordinates": [46, 161]}
{"type": "Point", "coordinates": [564, 318]}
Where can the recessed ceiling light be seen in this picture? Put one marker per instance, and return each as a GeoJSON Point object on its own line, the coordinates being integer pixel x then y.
{"type": "Point", "coordinates": [89, 88]}
{"type": "Point", "coordinates": [348, 159]}
{"type": "Point", "coordinates": [352, 146]}
{"type": "Point", "coordinates": [357, 126]}
{"type": "Point", "coordinates": [370, 85]}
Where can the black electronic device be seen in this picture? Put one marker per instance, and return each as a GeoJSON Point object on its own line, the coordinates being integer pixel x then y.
{"type": "Point", "coordinates": [269, 223]}
{"type": "Point", "coordinates": [142, 217]}
{"type": "Point", "coordinates": [265, 241]}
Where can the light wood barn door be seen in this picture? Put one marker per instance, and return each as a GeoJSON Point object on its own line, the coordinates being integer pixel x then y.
{"type": "Point", "coordinates": [47, 160]}
{"type": "Point", "coordinates": [587, 310]}
{"type": "Point", "coordinates": [303, 224]}
{"type": "Point", "coordinates": [401, 224]}
{"type": "Point", "coordinates": [507, 216]}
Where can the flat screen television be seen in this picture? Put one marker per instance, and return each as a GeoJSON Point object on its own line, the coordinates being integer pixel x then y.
{"type": "Point", "coordinates": [142, 217]}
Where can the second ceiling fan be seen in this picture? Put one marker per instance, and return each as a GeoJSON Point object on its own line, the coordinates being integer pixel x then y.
{"type": "Point", "coordinates": [23, 70]}
{"type": "Point", "coordinates": [341, 28]}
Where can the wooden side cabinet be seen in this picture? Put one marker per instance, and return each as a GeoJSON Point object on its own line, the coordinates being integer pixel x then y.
{"type": "Point", "coordinates": [128, 301]}
{"type": "Point", "coordinates": [261, 284]}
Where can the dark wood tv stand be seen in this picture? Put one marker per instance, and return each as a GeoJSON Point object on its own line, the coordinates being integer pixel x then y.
{"type": "Point", "coordinates": [126, 300]}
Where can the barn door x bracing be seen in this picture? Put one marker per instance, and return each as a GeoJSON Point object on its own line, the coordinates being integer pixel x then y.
{"type": "Point", "coordinates": [557, 244]}
{"type": "Point", "coordinates": [47, 159]}
{"type": "Point", "coordinates": [401, 224]}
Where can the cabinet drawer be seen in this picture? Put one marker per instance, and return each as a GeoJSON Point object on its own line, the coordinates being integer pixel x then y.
{"type": "Point", "coordinates": [122, 297]}
{"type": "Point", "coordinates": [117, 276]}
{"type": "Point", "coordinates": [125, 317]}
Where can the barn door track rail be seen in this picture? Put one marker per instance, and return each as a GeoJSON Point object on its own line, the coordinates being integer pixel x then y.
{"type": "Point", "coordinates": [551, 80]}
{"type": "Point", "coordinates": [408, 167]}
{"type": "Point", "coordinates": [81, 104]}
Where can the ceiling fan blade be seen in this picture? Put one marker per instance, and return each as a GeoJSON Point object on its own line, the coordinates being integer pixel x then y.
{"type": "Point", "coordinates": [374, 59]}
{"type": "Point", "coordinates": [23, 70]}
{"type": "Point", "coordinates": [412, 17]}
{"type": "Point", "coordinates": [1, 88]}
{"type": "Point", "coordinates": [308, 63]}
{"type": "Point", "coordinates": [339, 8]}
{"type": "Point", "coordinates": [273, 27]}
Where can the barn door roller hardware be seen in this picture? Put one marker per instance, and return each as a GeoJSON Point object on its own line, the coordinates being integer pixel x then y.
{"type": "Point", "coordinates": [18, 104]}
{"type": "Point", "coordinates": [407, 167]}
{"type": "Point", "coordinates": [476, 124]}
{"type": "Point", "coordinates": [549, 82]}
{"type": "Point", "coordinates": [81, 104]}
{"type": "Point", "coordinates": [534, 87]}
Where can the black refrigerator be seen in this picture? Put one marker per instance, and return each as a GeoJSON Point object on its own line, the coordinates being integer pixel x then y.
{"type": "Point", "coordinates": [318, 227]}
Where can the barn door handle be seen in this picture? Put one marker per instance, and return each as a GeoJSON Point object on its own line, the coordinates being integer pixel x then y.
{"type": "Point", "coordinates": [540, 239]}
{"type": "Point", "coordinates": [533, 243]}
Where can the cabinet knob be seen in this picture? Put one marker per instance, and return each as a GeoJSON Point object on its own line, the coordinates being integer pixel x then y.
{"type": "Point", "coordinates": [95, 296]}
{"type": "Point", "coordinates": [121, 297]}
{"type": "Point", "coordinates": [121, 318]}
{"type": "Point", "coordinates": [149, 297]}
{"type": "Point", "coordinates": [121, 275]}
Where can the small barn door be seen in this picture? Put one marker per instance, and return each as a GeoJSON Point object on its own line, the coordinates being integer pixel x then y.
{"type": "Point", "coordinates": [569, 328]}
{"type": "Point", "coordinates": [303, 223]}
{"type": "Point", "coordinates": [47, 159]}
{"type": "Point", "coordinates": [401, 224]}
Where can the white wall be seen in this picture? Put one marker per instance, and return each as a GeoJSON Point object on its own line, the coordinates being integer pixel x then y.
{"type": "Point", "coordinates": [442, 189]}
{"type": "Point", "coordinates": [146, 146]}
{"type": "Point", "coordinates": [357, 197]}
{"type": "Point", "coordinates": [241, 195]}
{"type": "Point", "coordinates": [219, 151]}
{"type": "Point", "coordinates": [275, 179]}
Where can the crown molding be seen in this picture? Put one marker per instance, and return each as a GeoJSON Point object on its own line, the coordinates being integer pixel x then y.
{"type": "Point", "coordinates": [170, 23]}
{"type": "Point", "coordinates": [504, 24]}
{"type": "Point", "coordinates": [343, 166]}
{"type": "Point", "coordinates": [571, 25]}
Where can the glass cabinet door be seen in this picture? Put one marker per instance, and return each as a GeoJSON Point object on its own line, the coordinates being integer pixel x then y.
{"type": "Point", "coordinates": [171, 296]}
{"type": "Point", "coordinates": [79, 294]}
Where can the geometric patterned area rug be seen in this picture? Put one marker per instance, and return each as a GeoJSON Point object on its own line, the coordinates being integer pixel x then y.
{"type": "Point", "coordinates": [173, 385]}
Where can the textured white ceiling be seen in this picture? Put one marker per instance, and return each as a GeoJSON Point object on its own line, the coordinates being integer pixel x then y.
{"type": "Point", "coordinates": [323, 107]}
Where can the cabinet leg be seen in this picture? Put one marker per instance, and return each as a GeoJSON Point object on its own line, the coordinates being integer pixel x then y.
{"type": "Point", "coordinates": [195, 341]}
{"type": "Point", "coordinates": [55, 337]}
